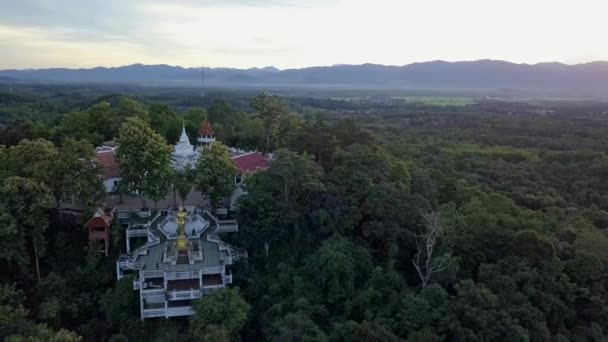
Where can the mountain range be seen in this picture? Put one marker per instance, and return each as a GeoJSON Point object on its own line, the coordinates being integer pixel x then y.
{"type": "Point", "coordinates": [436, 74]}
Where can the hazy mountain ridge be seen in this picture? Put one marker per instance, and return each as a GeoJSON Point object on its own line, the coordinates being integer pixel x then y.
{"type": "Point", "coordinates": [473, 74]}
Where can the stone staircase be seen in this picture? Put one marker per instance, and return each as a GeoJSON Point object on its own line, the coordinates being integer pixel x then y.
{"type": "Point", "coordinates": [182, 257]}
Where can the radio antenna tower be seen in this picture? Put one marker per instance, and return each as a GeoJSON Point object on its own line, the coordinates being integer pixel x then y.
{"type": "Point", "coordinates": [202, 81]}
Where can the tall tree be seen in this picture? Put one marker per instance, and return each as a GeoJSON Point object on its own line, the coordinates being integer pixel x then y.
{"type": "Point", "coordinates": [145, 159]}
{"type": "Point", "coordinates": [12, 251]}
{"type": "Point", "coordinates": [103, 120]}
{"type": "Point", "coordinates": [67, 171]}
{"type": "Point", "coordinates": [33, 159]}
{"type": "Point", "coordinates": [28, 202]}
{"type": "Point", "coordinates": [297, 176]}
{"type": "Point", "coordinates": [269, 109]}
{"type": "Point", "coordinates": [77, 125]}
{"type": "Point", "coordinates": [165, 121]}
{"type": "Point", "coordinates": [264, 219]}
{"type": "Point", "coordinates": [426, 260]}
{"type": "Point", "coordinates": [75, 174]}
{"type": "Point", "coordinates": [219, 316]}
{"type": "Point", "coordinates": [130, 108]}
{"type": "Point", "coordinates": [183, 182]}
{"type": "Point", "coordinates": [215, 173]}
{"type": "Point", "coordinates": [120, 304]}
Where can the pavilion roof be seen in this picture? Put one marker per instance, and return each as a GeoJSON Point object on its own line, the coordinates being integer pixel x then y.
{"type": "Point", "coordinates": [250, 162]}
{"type": "Point", "coordinates": [100, 214]}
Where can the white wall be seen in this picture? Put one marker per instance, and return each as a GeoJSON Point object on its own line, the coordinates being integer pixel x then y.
{"type": "Point", "coordinates": [111, 183]}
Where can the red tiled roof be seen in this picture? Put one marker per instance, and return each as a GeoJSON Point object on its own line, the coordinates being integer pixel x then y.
{"type": "Point", "coordinates": [101, 218]}
{"type": "Point", "coordinates": [109, 164]}
{"type": "Point", "coordinates": [250, 162]}
{"type": "Point", "coordinates": [205, 128]}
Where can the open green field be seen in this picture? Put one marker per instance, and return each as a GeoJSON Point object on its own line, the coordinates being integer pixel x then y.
{"type": "Point", "coordinates": [438, 100]}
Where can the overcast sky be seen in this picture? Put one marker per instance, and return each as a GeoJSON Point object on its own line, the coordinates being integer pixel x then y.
{"type": "Point", "coordinates": [289, 33]}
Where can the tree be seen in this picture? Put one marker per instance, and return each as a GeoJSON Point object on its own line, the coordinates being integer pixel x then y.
{"type": "Point", "coordinates": [120, 303]}
{"type": "Point", "coordinates": [314, 138]}
{"type": "Point", "coordinates": [533, 246]}
{"type": "Point", "coordinates": [297, 176]}
{"type": "Point", "coordinates": [67, 171]}
{"type": "Point", "coordinates": [41, 333]}
{"type": "Point", "coordinates": [77, 125]}
{"type": "Point", "coordinates": [33, 159]}
{"type": "Point", "coordinates": [12, 251]}
{"type": "Point", "coordinates": [297, 327]}
{"type": "Point", "coordinates": [269, 109]}
{"type": "Point", "coordinates": [225, 121]}
{"type": "Point", "coordinates": [15, 326]}
{"type": "Point", "coordinates": [337, 268]}
{"type": "Point", "coordinates": [28, 202]}
{"type": "Point", "coordinates": [145, 160]}
{"type": "Point", "coordinates": [102, 120]}
{"type": "Point", "coordinates": [348, 132]}
{"type": "Point", "coordinates": [215, 172]}
{"type": "Point", "coordinates": [75, 174]}
{"type": "Point", "coordinates": [352, 331]}
{"type": "Point", "coordinates": [476, 315]}
{"type": "Point", "coordinates": [219, 316]}
{"type": "Point", "coordinates": [426, 262]}
{"type": "Point", "coordinates": [264, 220]}
{"type": "Point", "coordinates": [129, 108]}
{"type": "Point", "coordinates": [13, 320]}
{"type": "Point", "coordinates": [56, 299]}
{"type": "Point", "coordinates": [164, 120]}
{"type": "Point", "coordinates": [182, 182]}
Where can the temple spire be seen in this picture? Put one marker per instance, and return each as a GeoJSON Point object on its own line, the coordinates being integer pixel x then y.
{"type": "Point", "coordinates": [184, 136]}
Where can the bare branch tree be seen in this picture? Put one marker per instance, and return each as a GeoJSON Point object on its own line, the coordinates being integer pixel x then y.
{"type": "Point", "coordinates": [425, 262]}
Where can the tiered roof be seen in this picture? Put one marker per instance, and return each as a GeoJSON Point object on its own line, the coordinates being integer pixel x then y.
{"type": "Point", "coordinates": [206, 128]}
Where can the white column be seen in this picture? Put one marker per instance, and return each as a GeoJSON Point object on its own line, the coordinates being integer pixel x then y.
{"type": "Point", "coordinates": [141, 298]}
{"type": "Point", "coordinates": [117, 270]}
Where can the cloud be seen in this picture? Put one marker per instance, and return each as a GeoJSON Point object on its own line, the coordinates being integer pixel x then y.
{"type": "Point", "coordinates": [288, 33]}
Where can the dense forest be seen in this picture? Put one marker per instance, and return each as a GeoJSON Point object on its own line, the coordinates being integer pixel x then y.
{"type": "Point", "coordinates": [380, 218]}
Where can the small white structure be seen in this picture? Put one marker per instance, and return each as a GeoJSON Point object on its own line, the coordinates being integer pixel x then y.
{"type": "Point", "coordinates": [185, 154]}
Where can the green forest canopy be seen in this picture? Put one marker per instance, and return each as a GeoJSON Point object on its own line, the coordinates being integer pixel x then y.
{"type": "Point", "coordinates": [512, 196]}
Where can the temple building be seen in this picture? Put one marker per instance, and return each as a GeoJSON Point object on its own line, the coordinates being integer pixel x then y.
{"type": "Point", "coordinates": [248, 163]}
{"type": "Point", "coordinates": [106, 158]}
{"type": "Point", "coordinates": [206, 137]}
{"type": "Point", "coordinates": [185, 154]}
{"type": "Point", "coordinates": [180, 258]}
{"type": "Point", "coordinates": [99, 228]}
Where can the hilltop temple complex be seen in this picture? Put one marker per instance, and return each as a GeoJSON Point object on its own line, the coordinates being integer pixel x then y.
{"type": "Point", "coordinates": [185, 154]}
{"type": "Point", "coordinates": [175, 256]}
{"type": "Point", "coordinates": [181, 259]}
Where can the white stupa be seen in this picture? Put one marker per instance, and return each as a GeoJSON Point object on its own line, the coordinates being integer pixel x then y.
{"type": "Point", "coordinates": [185, 153]}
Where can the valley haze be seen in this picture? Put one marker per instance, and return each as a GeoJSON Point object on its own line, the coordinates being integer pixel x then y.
{"type": "Point", "coordinates": [591, 78]}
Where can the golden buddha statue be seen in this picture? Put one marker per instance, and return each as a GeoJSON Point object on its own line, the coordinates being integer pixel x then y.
{"type": "Point", "coordinates": [182, 242]}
